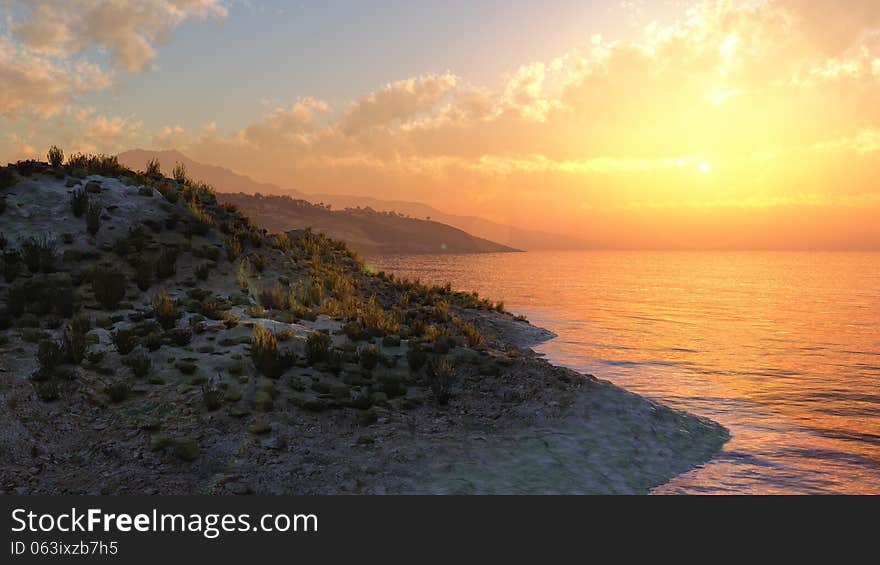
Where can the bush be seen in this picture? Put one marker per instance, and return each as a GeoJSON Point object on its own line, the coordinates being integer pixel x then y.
{"type": "Point", "coordinates": [472, 335]}
{"type": "Point", "coordinates": [125, 340]}
{"type": "Point", "coordinates": [7, 179]}
{"type": "Point", "coordinates": [165, 309]}
{"type": "Point", "coordinates": [118, 391]}
{"type": "Point", "coordinates": [202, 271]}
{"type": "Point", "coordinates": [416, 357]}
{"type": "Point", "coordinates": [368, 356]}
{"type": "Point", "coordinates": [264, 352]}
{"type": "Point", "coordinates": [166, 264]}
{"type": "Point", "coordinates": [139, 364]}
{"type": "Point", "coordinates": [75, 338]}
{"type": "Point", "coordinates": [259, 262]}
{"type": "Point", "coordinates": [212, 397]}
{"type": "Point", "coordinates": [274, 298]}
{"type": "Point", "coordinates": [55, 156]}
{"type": "Point", "coordinates": [181, 336]}
{"type": "Point", "coordinates": [11, 265]}
{"type": "Point", "coordinates": [93, 217]}
{"type": "Point", "coordinates": [180, 173]}
{"type": "Point", "coordinates": [317, 346]}
{"type": "Point", "coordinates": [49, 354]}
{"type": "Point", "coordinates": [47, 391]}
{"type": "Point", "coordinates": [30, 253]}
{"type": "Point", "coordinates": [441, 373]}
{"type": "Point", "coordinates": [109, 287]}
{"type": "Point", "coordinates": [154, 169]}
{"type": "Point", "coordinates": [79, 201]}
{"type": "Point", "coordinates": [2, 205]}
{"type": "Point", "coordinates": [143, 274]}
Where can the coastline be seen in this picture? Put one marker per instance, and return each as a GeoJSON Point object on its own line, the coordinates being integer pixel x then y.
{"type": "Point", "coordinates": [534, 428]}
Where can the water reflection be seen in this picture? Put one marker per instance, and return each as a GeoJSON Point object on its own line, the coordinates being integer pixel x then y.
{"type": "Point", "coordinates": [782, 348]}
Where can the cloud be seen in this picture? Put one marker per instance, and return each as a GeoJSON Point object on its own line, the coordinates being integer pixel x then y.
{"type": "Point", "coordinates": [128, 30]}
{"type": "Point", "coordinates": [396, 102]}
{"type": "Point", "coordinates": [39, 86]}
{"type": "Point", "coordinates": [169, 137]}
{"type": "Point", "coordinates": [44, 60]}
{"type": "Point", "coordinates": [111, 130]}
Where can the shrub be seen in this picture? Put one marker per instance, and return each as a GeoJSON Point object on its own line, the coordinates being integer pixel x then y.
{"type": "Point", "coordinates": [49, 354]}
{"type": "Point", "coordinates": [264, 352]}
{"type": "Point", "coordinates": [259, 262]}
{"type": "Point", "coordinates": [7, 179]}
{"type": "Point", "coordinates": [75, 338]}
{"type": "Point", "coordinates": [165, 309]}
{"type": "Point", "coordinates": [472, 335]}
{"type": "Point", "coordinates": [55, 156]}
{"type": "Point", "coordinates": [30, 253]}
{"type": "Point", "coordinates": [274, 297]}
{"type": "Point", "coordinates": [125, 340]}
{"type": "Point", "coordinates": [139, 364]}
{"type": "Point", "coordinates": [11, 265]}
{"type": "Point", "coordinates": [154, 169]}
{"type": "Point", "coordinates": [416, 357]}
{"type": "Point", "coordinates": [180, 173]}
{"type": "Point", "coordinates": [143, 274]}
{"type": "Point", "coordinates": [441, 373]}
{"type": "Point", "coordinates": [212, 397]}
{"type": "Point", "coordinates": [47, 391]}
{"type": "Point", "coordinates": [2, 205]}
{"type": "Point", "coordinates": [181, 336]}
{"type": "Point", "coordinates": [202, 271]}
{"type": "Point", "coordinates": [118, 391]}
{"type": "Point", "coordinates": [166, 264]}
{"type": "Point", "coordinates": [47, 254]}
{"type": "Point", "coordinates": [441, 311]}
{"type": "Point", "coordinates": [368, 356]}
{"type": "Point", "coordinates": [109, 287]}
{"type": "Point", "coordinates": [317, 346]}
{"type": "Point", "coordinates": [93, 217]}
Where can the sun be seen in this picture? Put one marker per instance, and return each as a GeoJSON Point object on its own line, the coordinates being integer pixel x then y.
{"type": "Point", "coordinates": [705, 167]}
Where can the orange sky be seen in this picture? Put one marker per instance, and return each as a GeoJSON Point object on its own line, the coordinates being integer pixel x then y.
{"type": "Point", "coordinates": [751, 124]}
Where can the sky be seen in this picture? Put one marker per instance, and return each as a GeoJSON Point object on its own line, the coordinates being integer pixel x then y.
{"type": "Point", "coordinates": [681, 124]}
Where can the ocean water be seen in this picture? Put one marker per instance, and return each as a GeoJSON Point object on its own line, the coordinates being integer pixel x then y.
{"type": "Point", "coordinates": [781, 348]}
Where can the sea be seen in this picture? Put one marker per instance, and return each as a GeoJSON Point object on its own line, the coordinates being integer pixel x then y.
{"type": "Point", "coordinates": [782, 348]}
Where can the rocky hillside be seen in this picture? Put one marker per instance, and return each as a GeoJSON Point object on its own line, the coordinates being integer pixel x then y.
{"type": "Point", "coordinates": [365, 230]}
{"type": "Point", "coordinates": [154, 340]}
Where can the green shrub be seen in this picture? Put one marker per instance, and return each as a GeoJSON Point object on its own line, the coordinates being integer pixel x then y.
{"type": "Point", "coordinates": [259, 262]}
{"type": "Point", "coordinates": [441, 375]}
{"type": "Point", "coordinates": [166, 264]}
{"type": "Point", "coordinates": [118, 391]}
{"type": "Point", "coordinates": [180, 173]}
{"type": "Point", "coordinates": [109, 287]}
{"type": "Point", "coordinates": [49, 354]}
{"type": "Point", "coordinates": [202, 271]}
{"type": "Point", "coordinates": [368, 356]}
{"type": "Point", "coordinates": [165, 309]}
{"type": "Point", "coordinates": [181, 336]}
{"type": "Point", "coordinates": [55, 156]}
{"type": "Point", "coordinates": [143, 274]}
{"type": "Point", "coordinates": [264, 352]}
{"type": "Point", "coordinates": [2, 207]}
{"type": "Point", "coordinates": [416, 357]}
{"type": "Point", "coordinates": [93, 217]}
{"type": "Point", "coordinates": [472, 335]}
{"type": "Point", "coordinates": [47, 391]}
{"type": "Point", "coordinates": [11, 265]}
{"type": "Point", "coordinates": [30, 254]}
{"type": "Point", "coordinates": [125, 340]}
{"type": "Point", "coordinates": [75, 338]}
{"type": "Point", "coordinates": [212, 397]}
{"type": "Point", "coordinates": [274, 298]}
{"type": "Point", "coordinates": [317, 346]}
{"type": "Point", "coordinates": [154, 169]}
{"type": "Point", "coordinates": [186, 449]}
{"type": "Point", "coordinates": [139, 364]}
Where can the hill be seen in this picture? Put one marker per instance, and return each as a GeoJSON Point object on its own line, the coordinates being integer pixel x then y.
{"type": "Point", "coordinates": [225, 180]}
{"type": "Point", "coordinates": [155, 340]}
{"type": "Point", "coordinates": [367, 231]}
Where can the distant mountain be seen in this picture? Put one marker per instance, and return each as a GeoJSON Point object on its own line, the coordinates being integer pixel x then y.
{"type": "Point", "coordinates": [366, 230]}
{"type": "Point", "coordinates": [221, 178]}
{"type": "Point", "coordinates": [225, 180]}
